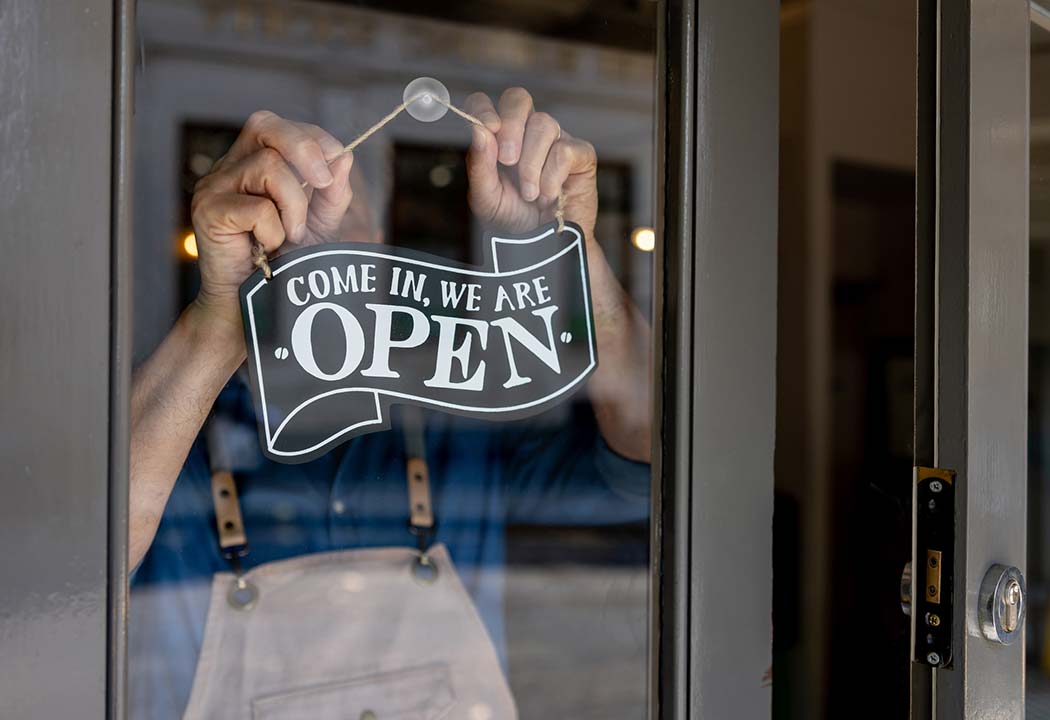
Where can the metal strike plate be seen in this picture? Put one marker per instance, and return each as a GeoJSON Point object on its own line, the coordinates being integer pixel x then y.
{"type": "Point", "coordinates": [932, 566]}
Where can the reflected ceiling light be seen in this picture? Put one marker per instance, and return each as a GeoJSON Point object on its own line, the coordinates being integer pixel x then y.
{"type": "Point", "coordinates": [189, 245]}
{"type": "Point", "coordinates": [644, 238]}
{"type": "Point", "coordinates": [440, 176]}
{"type": "Point", "coordinates": [200, 164]}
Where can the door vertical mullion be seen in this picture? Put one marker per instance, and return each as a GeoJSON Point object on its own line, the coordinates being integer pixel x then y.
{"type": "Point", "coordinates": [120, 342]}
{"type": "Point", "coordinates": [981, 346]}
{"type": "Point", "coordinates": [715, 358]}
{"type": "Point", "coordinates": [672, 362]}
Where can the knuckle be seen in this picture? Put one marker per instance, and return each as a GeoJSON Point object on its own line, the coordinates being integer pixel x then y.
{"type": "Point", "coordinates": [202, 186]}
{"type": "Point", "coordinates": [259, 211]}
{"type": "Point", "coordinates": [198, 204]}
{"type": "Point", "coordinates": [269, 159]}
{"type": "Point", "coordinates": [517, 95]}
{"type": "Point", "coordinates": [306, 147]}
{"type": "Point", "coordinates": [562, 153]}
{"type": "Point", "coordinates": [545, 122]}
{"type": "Point", "coordinates": [259, 118]}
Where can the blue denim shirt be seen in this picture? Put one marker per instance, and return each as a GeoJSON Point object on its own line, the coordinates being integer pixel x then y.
{"type": "Point", "coordinates": [551, 469]}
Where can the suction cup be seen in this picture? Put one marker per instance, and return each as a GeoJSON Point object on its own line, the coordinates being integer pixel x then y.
{"type": "Point", "coordinates": [426, 106]}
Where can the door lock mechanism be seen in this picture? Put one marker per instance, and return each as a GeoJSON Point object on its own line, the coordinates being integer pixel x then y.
{"type": "Point", "coordinates": [930, 575]}
{"type": "Point", "coordinates": [1003, 601]}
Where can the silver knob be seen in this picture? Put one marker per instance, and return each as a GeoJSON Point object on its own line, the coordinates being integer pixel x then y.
{"type": "Point", "coordinates": [1003, 601]}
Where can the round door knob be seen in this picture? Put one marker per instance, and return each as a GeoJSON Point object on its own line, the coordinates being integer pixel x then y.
{"type": "Point", "coordinates": [1003, 601]}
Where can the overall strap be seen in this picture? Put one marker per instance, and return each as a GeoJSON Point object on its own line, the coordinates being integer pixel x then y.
{"type": "Point", "coordinates": [233, 542]}
{"type": "Point", "coordinates": [420, 511]}
{"type": "Point", "coordinates": [228, 521]}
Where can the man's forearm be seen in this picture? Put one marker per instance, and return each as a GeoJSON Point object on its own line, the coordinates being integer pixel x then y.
{"type": "Point", "coordinates": [620, 389]}
{"type": "Point", "coordinates": [172, 394]}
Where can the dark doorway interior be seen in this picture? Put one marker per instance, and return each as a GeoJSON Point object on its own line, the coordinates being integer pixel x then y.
{"type": "Point", "coordinates": [871, 437]}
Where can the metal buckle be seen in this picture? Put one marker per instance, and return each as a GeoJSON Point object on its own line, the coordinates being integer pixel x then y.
{"type": "Point", "coordinates": [243, 594]}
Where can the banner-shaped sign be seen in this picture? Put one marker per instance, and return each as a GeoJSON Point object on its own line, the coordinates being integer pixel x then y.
{"type": "Point", "coordinates": [343, 331]}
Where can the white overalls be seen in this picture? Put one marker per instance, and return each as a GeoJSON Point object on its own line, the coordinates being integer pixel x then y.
{"type": "Point", "coordinates": [372, 634]}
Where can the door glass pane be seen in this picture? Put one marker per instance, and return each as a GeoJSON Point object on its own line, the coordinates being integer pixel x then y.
{"type": "Point", "coordinates": [1037, 635]}
{"type": "Point", "coordinates": [414, 483]}
{"type": "Point", "coordinates": [845, 311]}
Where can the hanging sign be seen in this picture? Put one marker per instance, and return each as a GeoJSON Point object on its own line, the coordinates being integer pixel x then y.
{"type": "Point", "coordinates": [341, 332]}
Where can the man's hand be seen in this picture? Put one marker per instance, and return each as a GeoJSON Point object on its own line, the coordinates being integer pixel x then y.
{"type": "Point", "coordinates": [257, 188]}
{"type": "Point", "coordinates": [519, 163]}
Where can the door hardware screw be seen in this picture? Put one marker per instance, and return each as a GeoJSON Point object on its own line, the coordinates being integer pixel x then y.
{"type": "Point", "coordinates": [933, 659]}
{"type": "Point", "coordinates": [933, 619]}
{"type": "Point", "coordinates": [933, 562]}
{"type": "Point", "coordinates": [932, 589]}
{"type": "Point", "coordinates": [936, 486]}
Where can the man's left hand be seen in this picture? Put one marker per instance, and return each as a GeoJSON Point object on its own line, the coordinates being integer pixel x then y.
{"type": "Point", "coordinates": [520, 162]}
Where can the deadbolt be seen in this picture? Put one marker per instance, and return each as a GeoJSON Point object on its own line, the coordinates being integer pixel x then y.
{"type": "Point", "coordinates": [1003, 603]}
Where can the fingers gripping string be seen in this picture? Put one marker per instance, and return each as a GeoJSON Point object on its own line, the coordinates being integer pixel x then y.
{"type": "Point", "coordinates": [559, 212]}
{"type": "Point", "coordinates": [259, 259]}
{"type": "Point", "coordinates": [259, 255]}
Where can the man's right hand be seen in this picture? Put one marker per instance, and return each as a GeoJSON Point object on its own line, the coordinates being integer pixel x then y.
{"type": "Point", "coordinates": [256, 190]}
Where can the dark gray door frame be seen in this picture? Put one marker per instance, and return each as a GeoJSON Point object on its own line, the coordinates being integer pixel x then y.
{"type": "Point", "coordinates": [715, 361]}
{"type": "Point", "coordinates": [972, 322]}
{"type": "Point", "coordinates": [121, 345]}
{"type": "Point", "coordinates": [63, 356]}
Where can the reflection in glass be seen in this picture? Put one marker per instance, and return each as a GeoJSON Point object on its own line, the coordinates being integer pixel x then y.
{"type": "Point", "coordinates": [281, 591]}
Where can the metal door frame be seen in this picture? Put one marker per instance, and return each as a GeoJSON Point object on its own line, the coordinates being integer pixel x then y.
{"type": "Point", "coordinates": [63, 356]}
{"type": "Point", "coordinates": [716, 282]}
{"type": "Point", "coordinates": [971, 322]}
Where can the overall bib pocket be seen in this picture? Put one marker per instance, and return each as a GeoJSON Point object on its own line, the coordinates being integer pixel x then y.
{"type": "Point", "coordinates": [423, 693]}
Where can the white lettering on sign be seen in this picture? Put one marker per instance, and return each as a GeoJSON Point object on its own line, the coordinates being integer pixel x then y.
{"type": "Point", "coordinates": [351, 279]}
{"type": "Point", "coordinates": [548, 354]}
{"type": "Point", "coordinates": [446, 352]}
{"type": "Point", "coordinates": [303, 346]}
{"type": "Point", "coordinates": [384, 341]}
{"type": "Point", "coordinates": [359, 319]}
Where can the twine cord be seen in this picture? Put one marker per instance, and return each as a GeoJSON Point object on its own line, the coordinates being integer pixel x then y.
{"type": "Point", "coordinates": [259, 259]}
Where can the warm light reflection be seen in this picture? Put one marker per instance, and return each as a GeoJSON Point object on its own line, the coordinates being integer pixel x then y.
{"type": "Point", "coordinates": [644, 239]}
{"type": "Point", "coordinates": [189, 245]}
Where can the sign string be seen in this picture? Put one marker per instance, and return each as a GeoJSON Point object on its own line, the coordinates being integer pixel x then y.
{"type": "Point", "coordinates": [259, 258]}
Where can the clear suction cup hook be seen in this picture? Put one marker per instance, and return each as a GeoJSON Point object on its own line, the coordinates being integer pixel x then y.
{"type": "Point", "coordinates": [427, 93]}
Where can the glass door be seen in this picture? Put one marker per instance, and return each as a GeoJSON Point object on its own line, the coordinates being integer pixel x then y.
{"type": "Point", "coordinates": [341, 202]}
{"type": "Point", "coordinates": [389, 360]}
{"type": "Point", "coordinates": [972, 328]}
